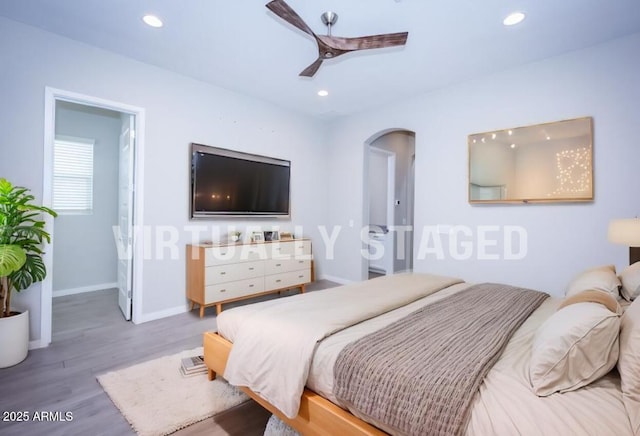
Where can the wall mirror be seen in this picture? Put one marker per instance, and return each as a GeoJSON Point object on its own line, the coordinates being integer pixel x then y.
{"type": "Point", "coordinates": [549, 162]}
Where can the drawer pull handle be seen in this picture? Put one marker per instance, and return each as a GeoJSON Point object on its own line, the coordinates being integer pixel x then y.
{"type": "Point", "coordinates": [300, 276]}
{"type": "Point", "coordinates": [301, 261]}
{"type": "Point", "coordinates": [278, 281]}
{"type": "Point", "coordinates": [223, 290]}
{"type": "Point", "coordinates": [278, 264]}
{"type": "Point", "coordinates": [222, 273]}
{"type": "Point", "coordinates": [251, 286]}
{"type": "Point", "coordinates": [251, 269]}
{"type": "Point", "coordinates": [223, 253]}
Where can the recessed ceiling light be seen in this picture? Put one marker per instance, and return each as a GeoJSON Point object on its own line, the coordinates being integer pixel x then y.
{"type": "Point", "coordinates": [152, 20]}
{"type": "Point", "coordinates": [513, 19]}
{"type": "Point", "coordinates": [323, 93]}
{"type": "Point", "coordinates": [513, 146]}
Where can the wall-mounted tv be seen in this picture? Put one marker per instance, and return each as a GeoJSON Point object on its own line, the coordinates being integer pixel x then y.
{"type": "Point", "coordinates": [231, 183]}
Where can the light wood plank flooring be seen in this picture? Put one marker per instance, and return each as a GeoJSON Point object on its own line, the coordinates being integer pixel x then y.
{"type": "Point", "coordinates": [90, 337]}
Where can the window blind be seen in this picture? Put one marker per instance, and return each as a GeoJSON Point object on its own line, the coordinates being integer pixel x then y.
{"type": "Point", "coordinates": [73, 175]}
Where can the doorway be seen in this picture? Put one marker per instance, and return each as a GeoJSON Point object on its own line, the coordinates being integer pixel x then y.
{"type": "Point", "coordinates": [389, 190]}
{"type": "Point", "coordinates": [92, 164]}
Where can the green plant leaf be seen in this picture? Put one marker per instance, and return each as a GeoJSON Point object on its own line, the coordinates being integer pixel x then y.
{"type": "Point", "coordinates": [22, 226]}
{"type": "Point", "coordinates": [32, 271]}
{"type": "Point", "coordinates": [12, 258]}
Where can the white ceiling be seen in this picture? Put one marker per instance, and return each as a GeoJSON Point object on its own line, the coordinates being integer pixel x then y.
{"type": "Point", "coordinates": [242, 46]}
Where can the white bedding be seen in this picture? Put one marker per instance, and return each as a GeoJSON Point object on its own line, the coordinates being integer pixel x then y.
{"type": "Point", "coordinates": [273, 347]}
{"type": "Point", "coordinates": [505, 404]}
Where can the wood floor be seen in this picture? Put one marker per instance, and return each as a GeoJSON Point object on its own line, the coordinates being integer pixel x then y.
{"type": "Point", "coordinates": [90, 337]}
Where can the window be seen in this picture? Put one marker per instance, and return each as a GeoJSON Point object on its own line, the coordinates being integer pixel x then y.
{"type": "Point", "coordinates": [73, 175]}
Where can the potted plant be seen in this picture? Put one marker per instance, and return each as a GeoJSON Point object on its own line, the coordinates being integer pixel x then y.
{"type": "Point", "coordinates": [22, 234]}
{"type": "Point", "coordinates": [235, 236]}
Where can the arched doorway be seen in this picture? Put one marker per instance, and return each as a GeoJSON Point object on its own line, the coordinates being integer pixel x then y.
{"type": "Point", "coordinates": [388, 199]}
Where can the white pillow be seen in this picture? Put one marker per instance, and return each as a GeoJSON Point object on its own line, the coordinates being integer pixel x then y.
{"type": "Point", "coordinates": [577, 345]}
{"type": "Point", "coordinates": [602, 278]}
{"type": "Point", "coordinates": [630, 278]}
{"type": "Point", "coordinates": [629, 363]}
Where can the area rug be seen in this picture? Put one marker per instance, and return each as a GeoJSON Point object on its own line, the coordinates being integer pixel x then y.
{"type": "Point", "coordinates": [275, 427]}
{"type": "Point", "coordinates": [157, 399]}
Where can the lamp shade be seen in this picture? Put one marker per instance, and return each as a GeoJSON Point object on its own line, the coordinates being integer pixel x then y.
{"type": "Point", "coordinates": [625, 231]}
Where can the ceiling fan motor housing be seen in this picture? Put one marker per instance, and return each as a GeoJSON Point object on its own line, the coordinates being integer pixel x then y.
{"type": "Point", "coordinates": [329, 18]}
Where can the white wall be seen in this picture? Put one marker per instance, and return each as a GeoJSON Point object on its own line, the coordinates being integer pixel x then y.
{"type": "Point", "coordinates": [85, 255]}
{"type": "Point", "coordinates": [562, 238]}
{"type": "Point", "coordinates": [179, 110]}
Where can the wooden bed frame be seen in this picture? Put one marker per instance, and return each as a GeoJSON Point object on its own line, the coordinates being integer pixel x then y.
{"type": "Point", "coordinates": [317, 416]}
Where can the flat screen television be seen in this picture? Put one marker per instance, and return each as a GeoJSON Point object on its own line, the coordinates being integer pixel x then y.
{"type": "Point", "coordinates": [231, 183]}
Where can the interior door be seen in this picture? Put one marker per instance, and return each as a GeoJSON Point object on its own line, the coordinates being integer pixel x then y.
{"type": "Point", "coordinates": [125, 214]}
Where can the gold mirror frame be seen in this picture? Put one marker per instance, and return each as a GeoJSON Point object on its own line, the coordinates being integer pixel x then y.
{"type": "Point", "coordinates": [541, 163]}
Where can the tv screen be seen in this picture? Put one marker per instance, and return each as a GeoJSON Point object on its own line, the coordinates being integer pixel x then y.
{"type": "Point", "coordinates": [226, 182]}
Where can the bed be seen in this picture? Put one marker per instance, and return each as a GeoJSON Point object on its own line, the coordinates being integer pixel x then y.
{"type": "Point", "coordinates": [503, 404]}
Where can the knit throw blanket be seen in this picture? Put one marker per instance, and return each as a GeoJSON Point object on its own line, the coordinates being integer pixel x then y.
{"type": "Point", "coordinates": [418, 376]}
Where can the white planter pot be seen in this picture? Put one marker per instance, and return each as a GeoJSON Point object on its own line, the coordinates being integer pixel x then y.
{"type": "Point", "coordinates": [14, 339]}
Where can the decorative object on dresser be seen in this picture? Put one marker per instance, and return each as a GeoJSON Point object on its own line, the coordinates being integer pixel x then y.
{"type": "Point", "coordinates": [218, 274]}
{"type": "Point", "coordinates": [271, 235]}
{"type": "Point", "coordinates": [234, 236]}
{"type": "Point", "coordinates": [627, 232]}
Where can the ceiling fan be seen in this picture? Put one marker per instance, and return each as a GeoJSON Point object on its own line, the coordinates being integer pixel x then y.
{"type": "Point", "coordinates": [333, 46]}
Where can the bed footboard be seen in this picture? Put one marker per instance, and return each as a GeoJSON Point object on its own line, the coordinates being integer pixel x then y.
{"type": "Point", "coordinates": [317, 416]}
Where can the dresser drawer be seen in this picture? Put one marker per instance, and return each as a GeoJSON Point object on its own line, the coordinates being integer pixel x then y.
{"type": "Point", "coordinates": [234, 253]}
{"type": "Point", "coordinates": [277, 266]}
{"type": "Point", "coordinates": [290, 249]}
{"type": "Point", "coordinates": [231, 290]}
{"type": "Point", "coordinates": [287, 280]}
{"type": "Point", "coordinates": [233, 272]}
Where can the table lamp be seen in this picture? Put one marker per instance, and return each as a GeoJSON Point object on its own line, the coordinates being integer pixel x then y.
{"type": "Point", "coordinates": [626, 232]}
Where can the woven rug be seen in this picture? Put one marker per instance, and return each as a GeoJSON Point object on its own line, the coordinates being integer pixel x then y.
{"type": "Point", "coordinates": [275, 427]}
{"type": "Point", "coordinates": [157, 400]}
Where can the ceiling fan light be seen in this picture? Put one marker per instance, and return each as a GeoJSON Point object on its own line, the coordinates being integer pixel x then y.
{"type": "Point", "coordinates": [323, 93]}
{"type": "Point", "coordinates": [152, 21]}
{"type": "Point", "coordinates": [513, 18]}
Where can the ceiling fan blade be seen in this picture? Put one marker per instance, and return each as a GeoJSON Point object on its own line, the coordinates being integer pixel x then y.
{"type": "Point", "coordinates": [284, 11]}
{"type": "Point", "coordinates": [365, 42]}
{"type": "Point", "coordinates": [311, 69]}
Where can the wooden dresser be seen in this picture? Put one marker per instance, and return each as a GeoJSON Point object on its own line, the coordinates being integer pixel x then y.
{"type": "Point", "coordinates": [218, 274]}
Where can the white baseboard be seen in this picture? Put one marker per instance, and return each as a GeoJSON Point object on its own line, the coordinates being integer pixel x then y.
{"type": "Point", "coordinates": [146, 317]}
{"type": "Point", "coordinates": [37, 343]}
{"type": "Point", "coordinates": [335, 279]}
{"type": "Point", "coordinates": [83, 289]}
